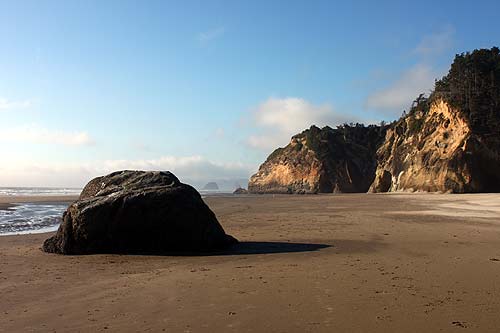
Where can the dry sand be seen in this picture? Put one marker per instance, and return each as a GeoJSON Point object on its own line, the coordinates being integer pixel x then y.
{"type": "Point", "coordinates": [325, 263]}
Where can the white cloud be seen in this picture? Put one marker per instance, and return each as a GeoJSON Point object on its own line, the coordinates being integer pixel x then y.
{"type": "Point", "coordinates": [436, 43]}
{"type": "Point", "coordinates": [278, 119]}
{"type": "Point", "coordinates": [191, 169]}
{"type": "Point", "coordinates": [6, 104]}
{"type": "Point", "coordinates": [400, 94]}
{"type": "Point", "coordinates": [36, 134]}
{"type": "Point", "coordinates": [210, 35]}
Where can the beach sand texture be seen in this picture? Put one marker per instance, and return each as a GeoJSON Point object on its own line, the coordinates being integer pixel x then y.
{"type": "Point", "coordinates": [321, 263]}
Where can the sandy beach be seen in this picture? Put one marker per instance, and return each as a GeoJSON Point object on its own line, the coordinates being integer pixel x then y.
{"type": "Point", "coordinates": [321, 263]}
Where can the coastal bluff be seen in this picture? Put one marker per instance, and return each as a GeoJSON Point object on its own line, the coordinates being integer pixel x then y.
{"type": "Point", "coordinates": [322, 161]}
{"type": "Point", "coordinates": [447, 142]}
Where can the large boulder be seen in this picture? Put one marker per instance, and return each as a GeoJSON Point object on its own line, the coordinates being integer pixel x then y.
{"type": "Point", "coordinates": [138, 212]}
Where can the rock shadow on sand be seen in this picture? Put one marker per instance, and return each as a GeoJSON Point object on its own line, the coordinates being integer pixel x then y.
{"type": "Point", "coordinates": [272, 247]}
{"type": "Point", "coordinates": [339, 246]}
{"type": "Point", "coordinates": [247, 248]}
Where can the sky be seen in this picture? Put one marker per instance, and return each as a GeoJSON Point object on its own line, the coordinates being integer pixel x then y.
{"type": "Point", "coordinates": [207, 89]}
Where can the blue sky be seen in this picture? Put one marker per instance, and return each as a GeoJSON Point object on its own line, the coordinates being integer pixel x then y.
{"type": "Point", "coordinates": [208, 89]}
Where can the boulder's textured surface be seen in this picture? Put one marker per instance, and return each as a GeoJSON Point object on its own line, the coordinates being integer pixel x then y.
{"type": "Point", "coordinates": [322, 160]}
{"type": "Point", "coordinates": [138, 212]}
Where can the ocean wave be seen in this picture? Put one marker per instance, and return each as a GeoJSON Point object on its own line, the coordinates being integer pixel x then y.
{"type": "Point", "coordinates": [31, 218]}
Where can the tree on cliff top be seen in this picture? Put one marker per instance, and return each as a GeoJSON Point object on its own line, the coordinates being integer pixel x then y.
{"type": "Point", "coordinates": [473, 86]}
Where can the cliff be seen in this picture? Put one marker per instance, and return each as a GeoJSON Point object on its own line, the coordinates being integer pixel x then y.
{"type": "Point", "coordinates": [322, 161]}
{"type": "Point", "coordinates": [430, 150]}
{"type": "Point", "coordinates": [448, 142]}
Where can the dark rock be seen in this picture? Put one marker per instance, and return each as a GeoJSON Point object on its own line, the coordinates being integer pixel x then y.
{"type": "Point", "coordinates": [382, 182]}
{"type": "Point", "coordinates": [138, 212]}
{"type": "Point", "coordinates": [240, 190]}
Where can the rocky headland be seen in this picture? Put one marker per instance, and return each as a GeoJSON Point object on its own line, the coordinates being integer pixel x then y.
{"type": "Point", "coordinates": [322, 160]}
{"type": "Point", "coordinates": [447, 142]}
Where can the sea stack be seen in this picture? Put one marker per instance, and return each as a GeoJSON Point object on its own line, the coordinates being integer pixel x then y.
{"type": "Point", "coordinates": [211, 186]}
{"type": "Point", "coordinates": [138, 212]}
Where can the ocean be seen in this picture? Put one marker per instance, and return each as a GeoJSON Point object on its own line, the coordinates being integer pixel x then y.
{"type": "Point", "coordinates": [23, 218]}
{"type": "Point", "coordinates": [27, 218]}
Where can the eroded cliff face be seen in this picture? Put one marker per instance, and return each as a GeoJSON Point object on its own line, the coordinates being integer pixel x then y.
{"type": "Point", "coordinates": [425, 151]}
{"type": "Point", "coordinates": [437, 151]}
{"type": "Point", "coordinates": [321, 161]}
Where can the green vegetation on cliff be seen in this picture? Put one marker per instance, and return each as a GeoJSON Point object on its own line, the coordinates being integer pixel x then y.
{"type": "Point", "coordinates": [473, 87]}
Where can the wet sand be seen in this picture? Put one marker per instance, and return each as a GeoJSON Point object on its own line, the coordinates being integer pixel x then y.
{"type": "Point", "coordinates": [9, 201]}
{"type": "Point", "coordinates": [325, 263]}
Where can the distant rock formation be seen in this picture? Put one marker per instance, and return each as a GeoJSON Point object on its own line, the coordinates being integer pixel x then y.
{"type": "Point", "coordinates": [322, 161]}
{"type": "Point", "coordinates": [448, 142]}
{"type": "Point", "coordinates": [240, 190]}
{"type": "Point", "coordinates": [138, 212]}
{"type": "Point", "coordinates": [211, 186]}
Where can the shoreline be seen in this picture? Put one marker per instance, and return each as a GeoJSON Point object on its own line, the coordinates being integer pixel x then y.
{"type": "Point", "coordinates": [6, 206]}
{"type": "Point", "coordinates": [14, 199]}
{"type": "Point", "coordinates": [9, 202]}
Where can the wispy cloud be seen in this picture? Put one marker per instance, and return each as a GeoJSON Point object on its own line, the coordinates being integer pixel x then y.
{"type": "Point", "coordinates": [276, 120]}
{"type": "Point", "coordinates": [436, 43]}
{"type": "Point", "coordinates": [39, 135]}
{"type": "Point", "coordinates": [399, 94]}
{"type": "Point", "coordinates": [6, 105]}
{"type": "Point", "coordinates": [210, 35]}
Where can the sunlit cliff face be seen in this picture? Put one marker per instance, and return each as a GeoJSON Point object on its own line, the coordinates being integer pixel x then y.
{"type": "Point", "coordinates": [321, 160]}
{"type": "Point", "coordinates": [298, 170]}
{"type": "Point", "coordinates": [425, 157]}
